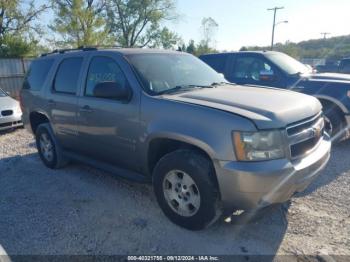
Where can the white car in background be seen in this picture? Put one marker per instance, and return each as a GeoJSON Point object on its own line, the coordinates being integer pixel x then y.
{"type": "Point", "coordinates": [10, 112]}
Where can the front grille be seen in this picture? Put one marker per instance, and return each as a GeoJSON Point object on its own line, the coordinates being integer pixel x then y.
{"type": "Point", "coordinates": [304, 136]}
{"type": "Point", "coordinates": [10, 124]}
{"type": "Point", "coordinates": [7, 113]}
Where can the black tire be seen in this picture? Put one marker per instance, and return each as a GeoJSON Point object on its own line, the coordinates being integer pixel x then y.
{"type": "Point", "coordinates": [201, 171]}
{"type": "Point", "coordinates": [58, 160]}
{"type": "Point", "coordinates": [334, 122]}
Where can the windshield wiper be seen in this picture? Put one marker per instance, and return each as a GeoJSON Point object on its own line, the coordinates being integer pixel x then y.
{"type": "Point", "coordinates": [184, 88]}
{"type": "Point", "coordinates": [221, 83]}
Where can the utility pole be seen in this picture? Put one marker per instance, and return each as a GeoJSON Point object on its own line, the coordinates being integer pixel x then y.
{"type": "Point", "coordinates": [325, 35]}
{"type": "Point", "coordinates": [274, 22]}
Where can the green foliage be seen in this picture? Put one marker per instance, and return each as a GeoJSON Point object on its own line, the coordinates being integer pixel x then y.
{"type": "Point", "coordinates": [191, 48]}
{"type": "Point", "coordinates": [167, 39]}
{"type": "Point", "coordinates": [80, 23]}
{"type": "Point", "coordinates": [137, 22]}
{"type": "Point", "coordinates": [332, 48]}
{"type": "Point", "coordinates": [18, 33]}
{"type": "Point", "coordinates": [197, 50]}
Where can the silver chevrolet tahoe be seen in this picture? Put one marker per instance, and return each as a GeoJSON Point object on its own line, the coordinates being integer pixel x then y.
{"type": "Point", "coordinates": [206, 145]}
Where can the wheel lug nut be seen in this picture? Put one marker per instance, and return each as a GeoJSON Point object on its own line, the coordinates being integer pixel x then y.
{"type": "Point", "coordinates": [184, 187]}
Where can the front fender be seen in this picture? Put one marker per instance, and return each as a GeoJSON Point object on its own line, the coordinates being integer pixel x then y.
{"type": "Point", "coordinates": [206, 128]}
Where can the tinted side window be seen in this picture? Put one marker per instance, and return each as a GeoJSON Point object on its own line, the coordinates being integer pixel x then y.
{"type": "Point", "coordinates": [250, 68]}
{"type": "Point", "coordinates": [344, 66]}
{"type": "Point", "coordinates": [37, 73]}
{"type": "Point", "coordinates": [103, 69]}
{"type": "Point", "coordinates": [217, 62]}
{"type": "Point", "coordinates": [66, 80]}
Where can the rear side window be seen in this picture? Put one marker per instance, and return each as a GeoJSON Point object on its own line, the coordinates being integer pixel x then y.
{"type": "Point", "coordinates": [217, 62]}
{"type": "Point", "coordinates": [66, 80]}
{"type": "Point", "coordinates": [37, 74]}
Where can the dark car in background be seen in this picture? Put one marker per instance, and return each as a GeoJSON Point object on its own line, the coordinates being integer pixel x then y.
{"type": "Point", "coordinates": [275, 69]}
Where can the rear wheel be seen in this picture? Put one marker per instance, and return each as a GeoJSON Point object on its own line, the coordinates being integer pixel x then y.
{"type": "Point", "coordinates": [48, 148]}
{"type": "Point", "coordinates": [185, 190]}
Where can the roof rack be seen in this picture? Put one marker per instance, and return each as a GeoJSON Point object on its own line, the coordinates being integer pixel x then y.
{"type": "Point", "coordinates": [81, 48]}
{"type": "Point", "coordinates": [62, 51]}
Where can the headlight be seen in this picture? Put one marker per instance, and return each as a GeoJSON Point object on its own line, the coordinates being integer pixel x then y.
{"type": "Point", "coordinates": [258, 146]}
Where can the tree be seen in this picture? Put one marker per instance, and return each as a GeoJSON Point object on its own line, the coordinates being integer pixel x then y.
{"type": "Point", "coordinates": [167, 39]}
{"type": "Point", "coordinates": [81, 23]}
{"type": "Point", "coordinates": [18, 33]}
{"type": "Point", "coordinates": [137, 22]}
{"type": "Point", "coordinates": [191, 48]}
{"type": "Point", "coordinates": [209, 28]}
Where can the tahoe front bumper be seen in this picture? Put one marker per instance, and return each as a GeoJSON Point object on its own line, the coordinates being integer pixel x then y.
{"type": "Point", "coordinates": [254, 185]}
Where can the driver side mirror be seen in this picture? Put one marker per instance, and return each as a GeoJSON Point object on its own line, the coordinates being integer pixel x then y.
{"type": "Point", "coordinates": [267, 75]}
{"type": "Point", "coordinates": [112, 90]}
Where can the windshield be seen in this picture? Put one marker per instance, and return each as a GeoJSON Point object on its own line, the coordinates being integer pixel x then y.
{"type": "Point", "coordinates": [288, 64]}
{"type": "Point", "coordinates": [2, 93]}
{"type": "Point", "coordinates": [162, 72]}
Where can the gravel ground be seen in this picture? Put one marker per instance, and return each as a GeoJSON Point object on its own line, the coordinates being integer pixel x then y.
{"type": "Point", "coordinates": [80, 210]}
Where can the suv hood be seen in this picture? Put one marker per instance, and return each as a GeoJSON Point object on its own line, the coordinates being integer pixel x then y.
{"type": "Point", "coordinates": [266, 107]}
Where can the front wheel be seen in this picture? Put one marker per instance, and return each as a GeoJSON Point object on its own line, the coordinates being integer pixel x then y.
{"type": "Point", "coordinates": [186, 190]}
{"type": "Point", "coordinates": [334, 123]}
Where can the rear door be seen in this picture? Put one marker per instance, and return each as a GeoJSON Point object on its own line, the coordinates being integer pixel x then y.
{"type": "Point", "coordinates": [62, 100]}
{"type": "Point", "coordinates": [108, 128]}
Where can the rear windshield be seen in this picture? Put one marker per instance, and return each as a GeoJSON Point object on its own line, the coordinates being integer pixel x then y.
{"type": "Point", "coordinates": [37, 74]}
{"type": "Point", "coordinates": [288, 64]}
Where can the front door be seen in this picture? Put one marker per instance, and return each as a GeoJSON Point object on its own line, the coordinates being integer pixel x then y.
{"type": "Point", "coordinates": [108, 128]}
{"type": "Point", "coordinates": [253, 70]}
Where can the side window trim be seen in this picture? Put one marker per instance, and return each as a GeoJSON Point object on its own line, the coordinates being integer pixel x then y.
{"type": "Point", "coordinates": [57, 68]}
{"type": "Point", "coordinates": [86, 75]}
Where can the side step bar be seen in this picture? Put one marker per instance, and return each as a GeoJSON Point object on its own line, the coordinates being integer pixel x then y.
{"type": "Point", "coordinates": [120, 172]}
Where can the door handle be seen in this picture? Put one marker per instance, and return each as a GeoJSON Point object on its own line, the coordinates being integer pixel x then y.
{"type": "Point", "coordinates": [86, 109]}
{"type": "Point", "coordinates": [51, 102]}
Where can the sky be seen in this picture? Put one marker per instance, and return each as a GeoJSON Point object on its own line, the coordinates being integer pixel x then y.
{"type": "Point", "coordinates": [248, 23]}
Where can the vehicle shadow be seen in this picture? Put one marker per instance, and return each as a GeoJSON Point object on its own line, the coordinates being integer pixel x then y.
{"type": "Point", "coordinates": [338, 164]}
{"type": "Point", "coordinates": [81, 210]}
